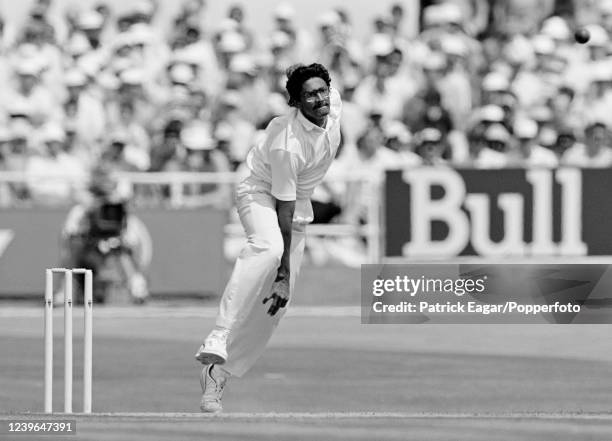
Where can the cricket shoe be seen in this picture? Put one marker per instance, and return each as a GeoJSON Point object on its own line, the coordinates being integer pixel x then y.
{"type": "Point", "coordinates": [213, 385]}
{"type": "Point", "coordinates": [213, 351]}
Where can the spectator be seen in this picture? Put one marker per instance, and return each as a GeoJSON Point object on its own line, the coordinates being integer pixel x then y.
{"type": "Point", "coordinates": [431, 147]}
{"type": "Point", "coordinates": [397, 18]}
{"type": "Point", "coordinates": [385, 86]}
{"type": "Point", "coordinates": [353, 115]}
{"type": "Point", "coordinates": [132, 91]}
{"type": "Point", "coordinates": [456, 85]}
{"type": "Point", "coordinates": [563, 105]}
{"type": "Point", "coordinates": [54, 175]}
{"type": "Point", "coordinates": [252, 91]}
{"type": "Point", "coordinates": [605, 11]}
{"type": "Point", "coordinates": [20, 144]}
{"type": "Point", "coordinates": [192, 13]}
{"type": "Point", "coordinates": [229, 44]}
{"type": "Point", "coordinates": [328, 199]}
{"type": "Point", "coordinates": [5, 147]}
{"type": "Point", "coordinates": [424, 108]}
{"type": "Point", "coordinates": [236, 13]}
{"type": "Point", "coordinates": [280, 58]}
{"type": "Point", "coordinates": [113, 155]}
{"type": "Point", "coordinates": [230, 114]}
{"type": "Point", "coordinates": [301, 47]}
{"type": "Point", "coordinates": [495, 148]}
{"type": "Point", "coordinates": [399, 139]}
{"type": "Point", "coordinates": [520, 16]}
{"type": "Point", "coordinates": [201, 156]}
{"type": "Point", "coordinates": [197, 52]}
{"type": "Point", "coordinates": [528, 153]}
{"type": "Point", "coordinates": [337, 48]}
{"type": "Point", "coordinates": [85, 110]}
{"type": "Point", "coordinates": [371, 160]}
{"type": "Point", "coordinates": [138, 148]}
{"type": "Point", "coordinates": [168, 147]}
{"type": "Point", "coordinates": [30, 95]}
{"type": "Point", "coordinates": [566, 139]}
{"type": "Point", "coordinates": [595, 152]}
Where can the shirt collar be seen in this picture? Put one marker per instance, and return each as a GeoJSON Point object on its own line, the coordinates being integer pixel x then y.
{"type": "Point", "coordinates": [309, 125]}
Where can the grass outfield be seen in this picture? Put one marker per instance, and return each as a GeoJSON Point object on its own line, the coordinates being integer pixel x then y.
{"type": "Point", "coordinates": [284, 427]}
{"type": "Point", "coordinates": [324, 375]}
{"type": "Point", "coordinates": [425, 382]}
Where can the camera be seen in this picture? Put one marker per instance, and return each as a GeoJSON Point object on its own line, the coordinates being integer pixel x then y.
{"type": "Point", "coordinates": [108, 219]}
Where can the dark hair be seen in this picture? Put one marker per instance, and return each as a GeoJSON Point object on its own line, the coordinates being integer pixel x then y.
{"type": "Point", "coordinates": [432, 95]}
{"type": "Point", "coordinates": [298, 74]}
{"type": "Point", "coordinates": [568, 90]}
{"type": "Point", "coordinates": [397, 7]}
{"type": "Point", "coordinates": [594, 125]}
{"type": "Point", "coordinates": [173, 128]}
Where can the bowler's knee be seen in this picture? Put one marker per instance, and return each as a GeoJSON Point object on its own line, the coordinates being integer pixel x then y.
{"type": "Point", "coordinates": [267, 250]}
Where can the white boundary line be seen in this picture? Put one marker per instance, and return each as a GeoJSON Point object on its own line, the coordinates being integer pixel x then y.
{"type": "Point", "coordinates": [321, 415]}
{"type": "Point", "coordinates": [179, 312]}
{"type": "Point", "coordinates": [502, 260]}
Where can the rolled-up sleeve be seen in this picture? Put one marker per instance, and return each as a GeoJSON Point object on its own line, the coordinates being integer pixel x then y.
{"type": "Point", "coordinates": [283, 165]}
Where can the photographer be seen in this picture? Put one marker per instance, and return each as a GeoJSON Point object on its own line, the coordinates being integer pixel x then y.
{"type": "Point", "coordinates": [100, 234]}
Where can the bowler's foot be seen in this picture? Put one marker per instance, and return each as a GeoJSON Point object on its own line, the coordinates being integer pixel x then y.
{"type": "Point", "coordinates": [213, 384]}
{"type": "Point", "coordinates": [213, 351]}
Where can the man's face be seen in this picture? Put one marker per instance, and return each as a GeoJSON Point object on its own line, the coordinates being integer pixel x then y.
{"type": "Point", "coordinates": [126, 111]}
{"type": "Point", "coordinates": [74, 91]}
{"type": "Point", "coordinates": [19, 145]}
{"type": "Point", "coordinates": [397, 13]}
{"type": "Point", "coordinates": [561, 102]}
{"type": "Point", "coordinates": [236, 14]}
{"type": "Point", "coordinates": [103, 10]}
{"type": "Point", "coordinates": [27, 81]}
{"type": "Point", "coordinates": [596, 136]}
{"type": "Point", "coordinates": [54, 147]}
{"type": "Point", "coordinates": [171, 141]}
{"type": "Point", "coordinates": [564, 142]}
{"type": "Point", "coordinates": [284, 24]}
{"type": "Point", "coordinates": [383, 67]}
{"type": "Point", "coordinates": [115, 151]}
{"type": "Point", "coordinates": [93, 34]}
{"type": "Point", "coordinates": [370, 142]}
{"type": "Point", "coordinates": [195, 160]}
{"type": "Point", "coordinates": [314, 99]}
{"type": "Point", "coordinates": [431, 150]}
{"type": "Point", "coordinates": [498, 146]}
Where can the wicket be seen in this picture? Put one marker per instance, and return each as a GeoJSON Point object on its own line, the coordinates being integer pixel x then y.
{"type": "Point", "coordinates": [87, 336]}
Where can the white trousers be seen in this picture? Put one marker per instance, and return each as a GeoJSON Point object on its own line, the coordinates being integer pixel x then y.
{"type": "Point", "coordinates": [241, 309]}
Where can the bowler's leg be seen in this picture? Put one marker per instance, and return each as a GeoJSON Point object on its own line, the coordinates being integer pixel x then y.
{"type": "Point", "coordinates": [253, 273]}
{"type": "Point", "coordinates": [250, 335]}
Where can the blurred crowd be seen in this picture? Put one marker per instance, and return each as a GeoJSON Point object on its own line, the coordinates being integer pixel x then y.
{"type": "Point", "coordinates": [484, 83]}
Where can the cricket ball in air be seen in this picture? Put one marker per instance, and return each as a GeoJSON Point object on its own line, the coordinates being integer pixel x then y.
{"type": "Point", "coordinates": [582, 35]}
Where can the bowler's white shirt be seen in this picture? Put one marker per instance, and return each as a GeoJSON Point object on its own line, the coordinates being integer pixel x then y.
{"type": "Point", "coordinates": [293, 156]}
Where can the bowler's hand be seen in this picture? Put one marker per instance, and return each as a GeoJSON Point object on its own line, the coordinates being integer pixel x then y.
{"type": "Point", "coordinates": [279, 295]}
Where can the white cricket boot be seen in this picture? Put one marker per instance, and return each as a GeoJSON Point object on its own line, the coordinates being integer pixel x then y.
{"type": "Point", "coordinates": [214, 349]}
{"type": "Point", "coordinates": [213, 384]}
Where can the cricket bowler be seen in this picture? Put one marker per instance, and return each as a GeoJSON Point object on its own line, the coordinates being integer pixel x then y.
{"type": "Point", "coordinates": [274, 207]}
